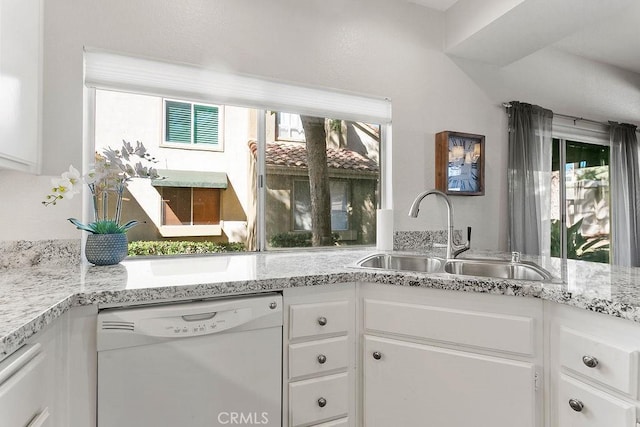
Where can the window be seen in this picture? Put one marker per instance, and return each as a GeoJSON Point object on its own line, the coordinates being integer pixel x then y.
{"type": "Point", "coordinates": [194, 124]}
{"type": "Point", "coordinates": [243, 194]}
{"type": "Point", "coordinates": [289, 127]}
{"type": "Point", "coordinates": [580, 194]}
{"type": "Point", "coordinates": [352, 171]}
{"type": "Point", "coordinates": [190, 206]}
{"type": "Point", "coordinates": [339, 205]}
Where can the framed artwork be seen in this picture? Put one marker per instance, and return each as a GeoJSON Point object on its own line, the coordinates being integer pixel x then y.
{"type": "Point", "coordinates": [460, 163]}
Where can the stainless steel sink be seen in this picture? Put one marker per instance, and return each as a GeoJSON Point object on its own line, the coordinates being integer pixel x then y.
{"type": "Point", "coordinates": [497, 268]}
{"type": "Point", "coordinates": [403, 262]}
{"type": "Point", "coordinates": [470, 267]}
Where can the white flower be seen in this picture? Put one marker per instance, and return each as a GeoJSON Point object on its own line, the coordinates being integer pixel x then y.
{"type": "Point", "coordinates": [73, 176]}
{"type": "Point", "coordinates": [64, 188]}
{"type": "Point", "coordinates": [92, 177]}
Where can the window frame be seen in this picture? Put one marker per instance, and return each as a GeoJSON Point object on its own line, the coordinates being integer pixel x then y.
{"type": "Point", "coordinates": [104, 70]}
{"type": "Point", "coordinates": [219, 147]}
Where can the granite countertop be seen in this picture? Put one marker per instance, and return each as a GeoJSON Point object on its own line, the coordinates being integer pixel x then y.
{"type": "Point", "coordinates": [32, 297]}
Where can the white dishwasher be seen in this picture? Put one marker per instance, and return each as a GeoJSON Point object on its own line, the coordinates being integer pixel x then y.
{"type": "Point", "coordinates": [192, 364]}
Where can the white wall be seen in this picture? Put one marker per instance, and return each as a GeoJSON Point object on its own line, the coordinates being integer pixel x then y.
{"type": "Point", "coordinates": [377, 47]}
{"type": "Point", "coordinates": [22, 215]}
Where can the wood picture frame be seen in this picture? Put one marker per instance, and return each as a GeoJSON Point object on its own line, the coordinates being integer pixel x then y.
{"type": "Point", "coordinates": [460, 163]}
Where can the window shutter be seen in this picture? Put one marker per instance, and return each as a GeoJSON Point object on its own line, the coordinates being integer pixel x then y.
{"type": "Point", "coordinates": [178, 122]}
{"type": "Point", "coordinates": [206, 124]}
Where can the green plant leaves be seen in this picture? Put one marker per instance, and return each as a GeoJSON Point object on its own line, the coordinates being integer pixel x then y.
{"type": "Point", "coordinates": [578, 246]}
{"type": "Point", "coordinates": [103, 226]}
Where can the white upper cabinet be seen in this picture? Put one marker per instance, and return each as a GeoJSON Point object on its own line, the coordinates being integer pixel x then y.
{"type": "Point", "coordinates": [20, 84]}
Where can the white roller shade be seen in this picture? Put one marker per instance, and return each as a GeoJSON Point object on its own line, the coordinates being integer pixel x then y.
{"type": "Point", "coordinates": [104, 70]}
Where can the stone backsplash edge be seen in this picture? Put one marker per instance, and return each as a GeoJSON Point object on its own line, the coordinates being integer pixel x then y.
{"type": "Point", "coordinates": [39, 253]}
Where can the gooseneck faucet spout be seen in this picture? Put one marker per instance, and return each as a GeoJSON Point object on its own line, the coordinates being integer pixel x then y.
{"type": "Point", "coordinates": [454, 248]}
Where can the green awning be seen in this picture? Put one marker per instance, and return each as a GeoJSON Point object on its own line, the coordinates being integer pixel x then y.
{"type": "Point", "coordinates": [197, 179]}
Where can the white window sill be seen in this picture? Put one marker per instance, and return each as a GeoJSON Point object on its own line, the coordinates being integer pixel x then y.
{"type": "Point", "coordinates": [190, 230]}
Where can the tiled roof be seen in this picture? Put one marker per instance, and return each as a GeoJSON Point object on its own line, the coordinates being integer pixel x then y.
{"type": "Point", "coordinates": [294, 155]}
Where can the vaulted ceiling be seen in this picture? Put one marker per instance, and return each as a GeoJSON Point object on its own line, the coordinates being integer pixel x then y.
{"type": "Point", "coordinates": [500, 32]}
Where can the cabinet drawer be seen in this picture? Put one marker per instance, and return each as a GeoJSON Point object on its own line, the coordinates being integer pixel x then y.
{"type": "Point", "coordinates": [305, 399]}
{"type": "Point", "coordinates": [308, 320]}
{"type": "Point", "coordinates": [599, 409]}
{"type": "Point", "coordinates": [498, 332]}
{"type": "Point", "coordinates": [612, 364]}
{"type": "Point", "coordinates": [315, 357]}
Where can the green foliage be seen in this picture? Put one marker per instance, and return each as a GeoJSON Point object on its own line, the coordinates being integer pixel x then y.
{"type": "Point", "coordinates": [589, 174]}
{"type": "Point", "coordinates": [181, 247]}
{"type": "Point", "coordinates": [106, 226]}
{"type": "Point", "coordinates": [555, 238]}
{"type": "Point", "coordinates": [290, 240]}
{"type": "Point", "coordinates": [296, 239]}
{"type": "Point", "coordinates": [335, 125]}
{"type": "Point", "coordinates": [578, 246]}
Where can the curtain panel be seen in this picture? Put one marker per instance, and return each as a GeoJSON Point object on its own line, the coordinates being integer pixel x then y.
{"type": "Point", "coordinates": [625, 185]}
{"type": "Point", "coordinates": [529, 178]}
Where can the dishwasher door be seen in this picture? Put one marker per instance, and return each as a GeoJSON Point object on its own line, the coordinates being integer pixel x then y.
{"type": "Point", "coordinates": [196, 364]}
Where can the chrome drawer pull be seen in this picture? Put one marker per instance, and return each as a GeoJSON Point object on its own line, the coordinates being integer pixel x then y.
{"type": "Point", "coordinates": [576, 405]}
{"type": "Point", "coordinates": [322, 358]}
{"type": "Point", "coordinates": [322, 321]}
{"type": "Point", "coordinates": [322, 402]}
{"type": "Point", "coordinates": [377, 355]}
{"type": "Point", "coordinates": [590, 361]}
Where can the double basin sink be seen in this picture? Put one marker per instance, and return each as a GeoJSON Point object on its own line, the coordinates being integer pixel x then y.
{"type": "Point", "coordinates": [500, 269]}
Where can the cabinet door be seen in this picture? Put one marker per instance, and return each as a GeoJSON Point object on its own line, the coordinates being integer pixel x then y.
{"type": "Point", "coordinates": [20, 83]}
{"type": "Point", "coordinates": [408, 384]}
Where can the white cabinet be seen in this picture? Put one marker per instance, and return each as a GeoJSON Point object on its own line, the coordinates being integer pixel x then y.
{"type": "Point", "coordinates": [319, 356]}
{"type": "Point", "coordinates": [412, 384]}
{"type": "Point", "coordinates": [20, 84]}
{"type": "Point", "coordinates": [51, 381]}
{"type": "Point", "coordinates": [23, 400]}
{"type": "Point", "coordinates": [594, 369]}
{"type": "Point", "coordinates": [34, 390]}
{"type": "Point", "coordinates": [450, 359]}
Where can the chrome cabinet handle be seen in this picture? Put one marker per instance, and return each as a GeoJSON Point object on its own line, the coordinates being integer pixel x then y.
{"type": "Point", "coordinates": [322, 321]}
{"type": "Point", "coordinates": [576, 405]}
{"type": "Point", "coordinates": [273, 305]}
{"type": "Point", "coordinates": [322, 358]}
{"type": "Point", "coordinates": [322, 402]}
{"type": "Point", "coordinates": [377, 355]}
{"type": "Point", "coordinates": [590, 361]}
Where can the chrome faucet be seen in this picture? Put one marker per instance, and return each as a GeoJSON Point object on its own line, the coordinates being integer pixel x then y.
{"type": "Point", "coordinates": [454, 248]}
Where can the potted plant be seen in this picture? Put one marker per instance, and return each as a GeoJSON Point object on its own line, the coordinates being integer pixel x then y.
{"type": "Point", "coordinates": [107, 240]}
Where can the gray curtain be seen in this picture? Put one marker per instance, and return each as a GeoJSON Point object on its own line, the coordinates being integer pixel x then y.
{"type": "Point", "coordinates": [625, 189]}
{"type": "Point", "coordinates": [529, 178]}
